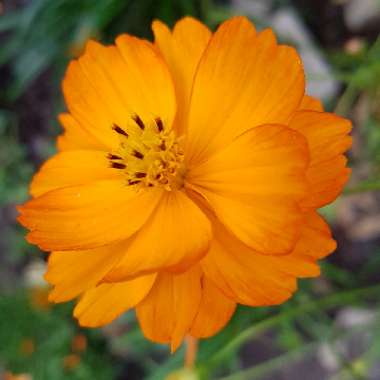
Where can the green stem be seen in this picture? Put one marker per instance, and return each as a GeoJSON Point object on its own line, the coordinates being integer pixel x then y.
{"type": "Point", "coordinates": [347, 99]}
{"type": "Point", "coordinates": [337, 299]}
{"type": "Point", "coordinates": [362, 187]}
{"type": "Point", "coordinates": [352, 90]}
{"type": "Point", "coordinates": [271, 365]}
{"type": "Point", "coordinates": [286, 358]}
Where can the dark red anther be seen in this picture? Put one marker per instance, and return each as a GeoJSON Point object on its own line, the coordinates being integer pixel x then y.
{"type": "Point", "coordinates": [119, 130]}
{"type": "Point", "coordinates": [139, 122]}
{"type": "Point", "coordinates": [163, 145]}
{"type": "Point", "coordinates": [113, 156]}
{"type": "Point", "coordinates": [160, 124]}
{"type": "Point", "coordinates": [138, 154]}
{"type": "Point", "coordinates": [118, 165]}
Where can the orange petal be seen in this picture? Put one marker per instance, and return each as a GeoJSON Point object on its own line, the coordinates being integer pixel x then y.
{"type": "Point", "coordinates": [72, 168]}
{"type": "Point", "coordinates": [327, 136]}
{"type": "Point", "coordinates": [243, 80]}
{"type": "Point", "coordinates": [75, 137]}
{"type": "Point", "coordinates": [109, 85]}
{"type": "Point", "coordinates": [315, 243]}
{"type": "Point", "coordinates": [311, 104]}
{"type": "Point", "coordinates": [167, 313]}
{"type": "Point", "coordinates": [176, 236]}
{"type": "Point", "coordinates": [102, 304]}
{"type": "Point", "coordinates": [254, 186]}
{"type": "Point", "coordinates": [88, 216]}
{"type": "Point", "coordinates": [256, 280]}
{"type": "Point", "coordinates": [214, 311]}
{"type": "Point", "coordinates": [182, 51]}
{"type": "Point", "coordinates": [74, 272]}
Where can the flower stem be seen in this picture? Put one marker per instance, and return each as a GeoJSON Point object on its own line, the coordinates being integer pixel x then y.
{"type": "Point", "coordinates": [191, 351]}
{"type": "Point", "coordinates": [333, 300]}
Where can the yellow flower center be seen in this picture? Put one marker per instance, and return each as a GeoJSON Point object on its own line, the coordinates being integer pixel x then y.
{"type": "Point", "coordinates": [149, 154]}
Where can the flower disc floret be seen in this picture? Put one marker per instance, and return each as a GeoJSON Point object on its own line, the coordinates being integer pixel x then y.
{"type": "Point", "coordinates": [149, 154]}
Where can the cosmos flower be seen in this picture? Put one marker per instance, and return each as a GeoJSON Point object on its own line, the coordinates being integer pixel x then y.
{"type": "Point", "coordinates": [187, 180]}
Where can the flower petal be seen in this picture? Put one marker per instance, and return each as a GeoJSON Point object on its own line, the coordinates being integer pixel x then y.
{"type": "Point", "coordinates": [102, 304]}
{"type": "Point", "coordinates": [108, 85]}
{"type": "Point", "coordinates": [88, 216]}
{"type": "Point", "coordinates": [315, 243]}
{"type": "Point", "coordinates": [327, 136]}
{"type": "Point", "coordinates": [243, 80]}
{"type": "Point", "coordinates": [182, 51]}
{"type": "Point", "coordinates": [256, 280]}
{"type": "Point", "coordinates": [311, 104]}
{"type": "Point", "coordinates": [76, 167]}
{"type": "Point", "coordinates": [73, 272]}
{"type": "Point", "coordinates": [254, 186]}
{"type": "Point", "coordinates": [167, 313]}
{"type": "Point", "coordinates": [214, 311]}
{"type": "Point", "coordinates": [176, 236]}
{"type": "Point", "coordinates": [75, 137]}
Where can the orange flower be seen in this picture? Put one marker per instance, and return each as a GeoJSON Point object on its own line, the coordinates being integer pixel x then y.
{"type": "Point", "coordinates": [187, 179]}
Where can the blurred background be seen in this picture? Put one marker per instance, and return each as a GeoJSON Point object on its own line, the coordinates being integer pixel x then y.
{"type": "Point", "coordinates": [329, 330]}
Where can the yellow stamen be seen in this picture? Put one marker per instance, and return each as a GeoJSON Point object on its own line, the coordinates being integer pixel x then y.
{"type": "Point", "coordinates": [149, 154]}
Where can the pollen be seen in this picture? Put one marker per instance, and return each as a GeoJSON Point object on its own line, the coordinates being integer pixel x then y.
{"type": "Point", "coordinates": [149, 154]}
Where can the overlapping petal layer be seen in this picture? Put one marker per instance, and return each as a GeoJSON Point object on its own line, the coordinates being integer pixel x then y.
{"type": "Point", "coordinates": [71, 168]}
{"type": "Point", "coordinates": [176, 236]}
{"type": "Point", "coordinates": [327, 136]}
{"type": "Point", "coordinates": [102, 304]}
{"type": "Point", "coordinates": [243, 80]}
{"type": "Point", "coordinates": [251, 278]}
{"type": "Point", "coordinates": [108, 85]}
{"type": "Point", "coordinates": [167, 313]}
{"type": "Point", "coordinates": [182, 50]}
{"type": "Point", "coordinates": [74, 272]}
{"type": "Point", "coordinates": [215, 310]}
{"type": "Point", "coordinates": [87, 216]}
{"type": "Point", "coordinates": [311, 104]}
{"type": "Point", "coordinates": [254, 186]}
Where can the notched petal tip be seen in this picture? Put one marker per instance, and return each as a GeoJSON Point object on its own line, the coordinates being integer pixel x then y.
{"type": "Point", "coordinates": [19, 209]}
{"type": "Point", "coordinates": [333, 245]}
{"type": "Point", "coordinates": [31, 239]}
{"type": "Point", "coordinates": [134, 42]}
{"type": "Point", "coordinates": [237, 24]}
{"type": "Point", "coordinates": [175, 344]}
{"type": "Point", "coordinates": [268, 35]}
{"type": "Point", "coordinates": [189, 23]}
{"type": "Point", "coordinates": [328, 139]}
{"type": "Point", "coordinates": [92, 44]}
{"type": "Point", "coordinates": [88, 320]}
{"type": "Point", "coordinates": [55, 297]}
{"type": "Point", "coordinates": [239, 19]}
{"type": "Point", "coordinates": [87, 323]}
{"type": "Point", "coordinates": [22, 219]}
